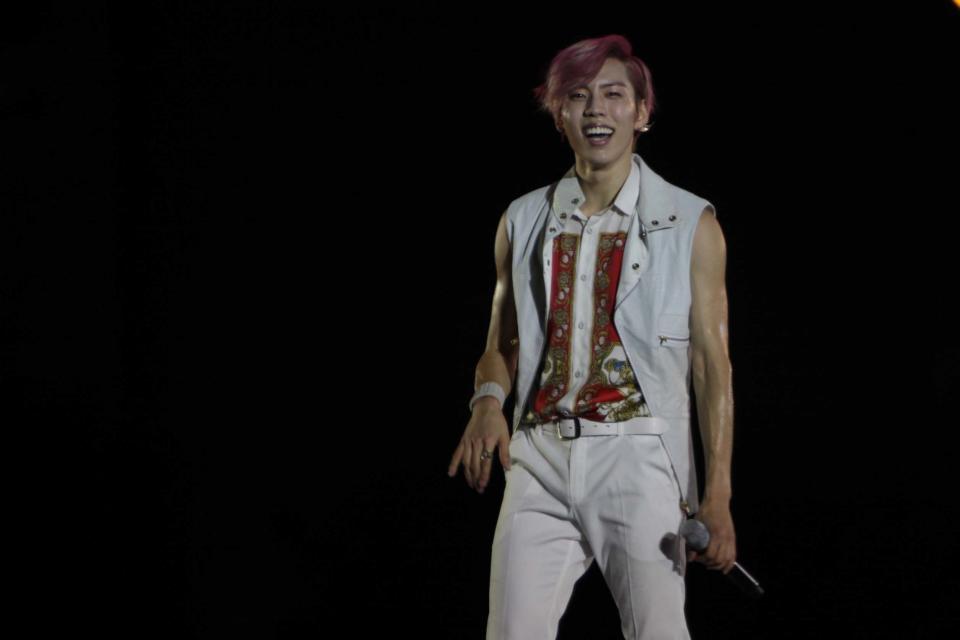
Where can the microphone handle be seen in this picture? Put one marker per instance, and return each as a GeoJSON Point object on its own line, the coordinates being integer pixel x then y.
{"type": "Point", "coordinates": [739, 576]}
{"type": "Point", "coordinates": [697, 538]}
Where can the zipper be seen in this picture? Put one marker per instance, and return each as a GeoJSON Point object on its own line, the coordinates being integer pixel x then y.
{"type": "Point", "coordinates": [663, 339]}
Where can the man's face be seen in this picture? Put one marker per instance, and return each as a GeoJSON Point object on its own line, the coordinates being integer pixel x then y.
{"type": "Point", "coordinates": [607, 101]}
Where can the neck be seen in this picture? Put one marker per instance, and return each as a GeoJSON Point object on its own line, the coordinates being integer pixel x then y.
{"type": "Point", "coordinates": [601, 184]}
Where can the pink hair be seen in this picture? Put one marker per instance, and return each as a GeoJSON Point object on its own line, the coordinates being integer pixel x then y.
{"type": "Point", "coordinates": [580, 62]}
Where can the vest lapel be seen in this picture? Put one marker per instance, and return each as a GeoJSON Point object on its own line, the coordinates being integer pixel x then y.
{"type": "Point", "coordinates": [655, 208]}
{"type": "Point", "coordinates": [552, 230]}
{"type": "Point", "coordinates": [635, 260]}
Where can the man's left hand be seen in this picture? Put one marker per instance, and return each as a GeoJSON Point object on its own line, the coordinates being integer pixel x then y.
{"type": "Point", "coordinates": [721, 553]}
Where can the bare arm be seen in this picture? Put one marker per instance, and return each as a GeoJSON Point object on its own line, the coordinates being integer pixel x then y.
{"type": "Point", "coordinates": [487, 428]}
{"type": "Point", "coordinates": [499, 360]}
{"type": "Point", "coordinates": [713, 385]}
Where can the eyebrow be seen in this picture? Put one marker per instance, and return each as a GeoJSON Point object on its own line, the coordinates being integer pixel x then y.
{"type": "Point", "coordinates": [609, 84]}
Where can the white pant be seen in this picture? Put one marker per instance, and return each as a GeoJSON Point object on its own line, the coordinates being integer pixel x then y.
{"type": "Point", "coordinates": [567, 502]}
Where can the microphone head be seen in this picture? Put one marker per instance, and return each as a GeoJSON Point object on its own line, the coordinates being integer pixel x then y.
{"type": "Point", "coordinates": [695, 533]}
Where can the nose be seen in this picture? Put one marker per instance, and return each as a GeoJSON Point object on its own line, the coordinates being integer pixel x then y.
{"type": "Point", "coordinates": [593, 106]}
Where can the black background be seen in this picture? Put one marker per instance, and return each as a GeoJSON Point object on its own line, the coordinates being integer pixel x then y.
{"type": "Point", "coordinates": [248, 267]}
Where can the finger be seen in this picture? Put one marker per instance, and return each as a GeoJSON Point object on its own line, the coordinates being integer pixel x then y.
{"type": "Point", "coordinates": [723, 554]}
{"type": "Point", "coordinates": [724, 564]}
{"type": "Point", "coordinates": [485, 465]}
{"type": "Point", "coordinates": [475, 464]}
{"type": "Point", "coordinates": [467, 466]}
{"type": "Point", "coordinates": [703, 557]}
{"type": "Point", "coordinates": [455, 460]}
{"type": "Point", "coordinates": [710, 556]}
{"type": "Point", "coordinates": [725, 558]}
{"type": "Point", "coordinates": [505, 452]}
{"type": "Point", "coordinates": [730, 559]}
{"type": "Point", "coordinates": [713, 551]}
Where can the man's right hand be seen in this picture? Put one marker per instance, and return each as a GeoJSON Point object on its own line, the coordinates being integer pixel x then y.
{"type": "Point", "coordinates": [487, 430]}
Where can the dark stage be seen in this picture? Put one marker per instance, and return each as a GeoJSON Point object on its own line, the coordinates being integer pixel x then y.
{"type": "Point", "coordinates": [249, 275]}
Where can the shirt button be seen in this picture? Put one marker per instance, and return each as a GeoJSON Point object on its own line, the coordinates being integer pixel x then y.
{"type": "Point", "coordinates": [580, 325]}
{"type": "Point", "coordinates": [654, 222]}
{"type": "Point", "coordinates": [583, 277]}
{"type": "Point", "coordinates": [672, 218]}
{"type": "Point", "coordinates": [577, 374]}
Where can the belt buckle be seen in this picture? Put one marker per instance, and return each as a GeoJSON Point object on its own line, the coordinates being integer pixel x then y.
{"type": "Point", "coordinates": [576, 428]}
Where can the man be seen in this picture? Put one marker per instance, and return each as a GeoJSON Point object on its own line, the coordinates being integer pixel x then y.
{"type": "Point", "coordinates": [610, 296]}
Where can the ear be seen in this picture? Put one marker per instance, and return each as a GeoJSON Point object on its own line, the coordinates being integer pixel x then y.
{"type": "Point", "coordinates": [641, 113]}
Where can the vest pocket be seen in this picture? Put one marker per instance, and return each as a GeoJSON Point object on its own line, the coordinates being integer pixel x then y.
{"type": "Point", "coordinates": [673, 330]}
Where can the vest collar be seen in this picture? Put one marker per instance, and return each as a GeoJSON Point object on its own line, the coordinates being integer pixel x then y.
{"type": "Point", "coordinates": [644, 192]}
{"type": "Point", "coordinates": [655, 209]}
{"type": "Point", "coordinates": [568, 195]}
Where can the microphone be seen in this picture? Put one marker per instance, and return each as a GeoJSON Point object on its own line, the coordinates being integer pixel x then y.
{"type": "Point", "coordinates": [698, 537]}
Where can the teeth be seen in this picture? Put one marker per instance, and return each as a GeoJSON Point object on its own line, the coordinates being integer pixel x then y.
{"type": "Point", "coordinates": [599, 130]}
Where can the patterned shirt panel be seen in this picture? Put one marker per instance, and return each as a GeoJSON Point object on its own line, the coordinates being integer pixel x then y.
{"type": "Point", "coordinates": [585, 370]}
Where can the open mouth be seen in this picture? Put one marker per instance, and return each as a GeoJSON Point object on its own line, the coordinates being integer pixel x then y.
{"type": "Point", "coordinates": [599, 141]}
{"type": "Point", "coordinates": [598, 136]}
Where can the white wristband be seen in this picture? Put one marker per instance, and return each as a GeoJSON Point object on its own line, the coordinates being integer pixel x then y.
{"type": "Point", "coordinates": [488, 389]}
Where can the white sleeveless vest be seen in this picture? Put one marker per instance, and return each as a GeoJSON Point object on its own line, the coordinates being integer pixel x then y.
{"type": "Point", "coordinates": [651, 312]}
